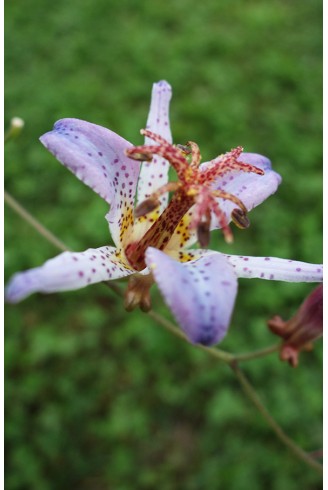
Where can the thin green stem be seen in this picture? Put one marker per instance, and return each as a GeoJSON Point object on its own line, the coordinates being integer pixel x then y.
{"type": "Point", "coordinates": [253, 396]}
{"type": "Point", "coordinates": [15, 206]}
{"type": "Point", "coordinates": [217, 353]}
{"type": "Point", "coordinates": [248, 356]}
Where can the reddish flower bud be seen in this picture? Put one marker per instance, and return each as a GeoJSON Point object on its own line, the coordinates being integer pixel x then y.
{"type": "Point", "coordinates": [303, 328]}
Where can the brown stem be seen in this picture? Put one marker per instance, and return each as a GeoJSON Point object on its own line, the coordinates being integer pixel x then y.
{"type": "Point", "coordinates": [253, 396]}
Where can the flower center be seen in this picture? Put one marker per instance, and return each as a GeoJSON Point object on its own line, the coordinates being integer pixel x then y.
{"type": "Point", "coordinates": [193, 189]}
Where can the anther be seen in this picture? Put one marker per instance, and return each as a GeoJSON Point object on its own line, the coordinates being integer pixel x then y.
{"type": "Point", "coordinates": [240, 218]}
{"type": "Point", "coordinates": [184, 148]}
{"type": "Point", "coordinates": [146, 206]}
{"type": "Point", "coordinates": [140, 157]}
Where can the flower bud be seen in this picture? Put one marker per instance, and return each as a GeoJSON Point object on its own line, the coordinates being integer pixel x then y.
{"type": "Point", "coordinates": [303, 328]}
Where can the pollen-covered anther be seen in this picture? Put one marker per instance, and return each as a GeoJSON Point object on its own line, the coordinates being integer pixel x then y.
{"type": "Point", "coordinates": [139, 156]}
{"type": "Point", "coordinates": [240, 218]}
{"type": "Point", "coordinates": [146, 206]}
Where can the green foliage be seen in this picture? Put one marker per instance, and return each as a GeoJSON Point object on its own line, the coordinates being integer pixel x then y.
{"type": "Point", "coordinates": [97, 398]}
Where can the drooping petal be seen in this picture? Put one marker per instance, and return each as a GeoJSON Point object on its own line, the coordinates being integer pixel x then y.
{"type": "Point", "coordinates": [250, 188]}
{"type": "Point", "coordinates": [67, 271]}
{"type": "Point", "coordinates": [200, 293]}
{"type": "Point", "coordinates": [154, 174]}
{"type": "Point", "coordinates": [275, 269]}
{"type": "Point", "coordinates": [96, 156]}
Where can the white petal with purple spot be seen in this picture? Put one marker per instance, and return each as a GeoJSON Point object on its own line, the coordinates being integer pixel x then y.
{"type": "Point", "coordinates": [275, 269]}
{"type": "Point", "coordinates": [68, 271]}
{"type": "Point", "coordinates": [154, 174]}
{"type": "Point", "coordinates": [201, 293]}
{"type": "Point", "coordinates": [96, 156]}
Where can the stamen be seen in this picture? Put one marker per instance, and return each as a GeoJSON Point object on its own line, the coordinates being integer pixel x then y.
{"type": "Point", "coordinates": [230, 197]}
{"type": "Point", "coordinates": [142, 153]}
{"type": "Point", "coordinates": [146, 206]}
{"type": "Point", "coordinates": [184, 149]}
{"type": "Point", "coordinates": [152, 202]}
{"type": "Point", "coordinates": [194, 188]}
{"type": "Point", "coordinates": [139, 157]}
{"type": "Point", "coordinates": [203, 229]}
{"type": "Point", "coordinates": [169, 152]}
{"type": "Point", "coordinates": [227, 233]}
{"type": "Point", "coordinates": [240, 218]}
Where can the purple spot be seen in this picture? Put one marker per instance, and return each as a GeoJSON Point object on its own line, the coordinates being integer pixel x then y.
{"type": "Point", "coordinates": [81, 273]}
{"type": "Point", "coordinates": [271, 276]}
{"type": "Point", "coordinates": [246, 258]}
{"type": "Point", "coordinates": [267, 258]}
{"type": "Point", "coordinates": [298, 269]}
{"type": "Point", "coordinates": [100, 154]}
{"type": "Point", "coordinates": [262, 274]}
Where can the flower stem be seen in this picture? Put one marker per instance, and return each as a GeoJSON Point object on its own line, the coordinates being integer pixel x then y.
{"type": "Point", "coordinates": [15, 206]}
{"type": "Point", "coordinates": [248, 356]}
{"type": "Point", "coordinates": [253, 396]}
{"type": "Point", "coordinates": [217, 353]}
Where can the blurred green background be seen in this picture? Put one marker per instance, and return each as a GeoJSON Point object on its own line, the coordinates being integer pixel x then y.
{"type": "Point", "coordinates": [100, 399]}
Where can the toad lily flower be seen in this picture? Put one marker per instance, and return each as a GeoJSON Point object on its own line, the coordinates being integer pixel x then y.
{"type": "Point", "coordinates": [152, 233]}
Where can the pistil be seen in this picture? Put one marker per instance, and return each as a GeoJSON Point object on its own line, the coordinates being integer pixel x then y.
{"type": "Point", "coordinates": [193, 188]}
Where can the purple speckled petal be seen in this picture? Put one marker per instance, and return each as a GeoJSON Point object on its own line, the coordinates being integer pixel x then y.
{"type": "Point", "coordinates": [275, 269]}
{"type": "Point", "coordinates": [200, 293]}
{"type": "Point", "coordinates": [96, 156]}
{"type": "Point", "coordinates": [67, 271]}
{"type": "Point", "coordinates": [251, 188]}
{"type": "Point", "coordinates": [154, 174]}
